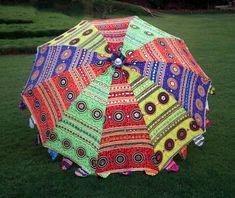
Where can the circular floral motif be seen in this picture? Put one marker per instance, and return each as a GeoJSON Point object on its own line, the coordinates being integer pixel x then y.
{"type": "Point", "coordinates": [60, 68]}
{"type": "Point", "coordinates": [35, 75]}
{"type": "Point", "coordinates": [43, 49]}
{"type": "Point", "coordinates": [170, 55]}
{"type": "Point", "coordinates": [136, 115]}
{"type": "Point", "coordinates": [87, 32]}
{"type": "Point", "coordinates": [163, 97]}
{"type": "Point", "coordinates": [40, 61]}
{"type": "Point", "coordinates": [120, 159]}
{"type": "Point", "coordinates": [150, 108]}
{"type": "Point", "coordinates": [135, 69]}
{"type": "Point", "coordinates": [70, 96]}
{"type": "Point", "coordinates": [63, 82]}
{"type": "Point", "coordinates": [81, 106]}
{"type": "Point", "coordinates": [37, 104]}
{"type": "Point", "coordinates": [148, 33]}
{"type": "Point", "coordinates": [172, 83]}
{"type": "Point", "coordinates": [193, 125]}
{"type": "Point", "coordinates": [157, 158]}
{"type": "Point", "coordinates": [47, 133]}
{"type": "Point", "coordinates": [117, 75]}
{"type": "Point", "coordinates": [199, 104]}
{"type": "Point", "coordinates": [74, 41]}
{"type": "Point", "coordinates": [66, 54]}
{"type": "Point", "coordinates": [204, 80]}
{"type": "Point", "coordinates": [81, 152]}
{"type": "Point", "coordinates": [100, 63]}
{"type": "Point", "coordinates": [129, 52]}
{"type": "Point", "coordinates": [43, 118]}
{"type": "Point", "coordinates": [163, 44]}
{"type": "Point", "coordinates": [97, 114]}
{"type": "Point", "coordinates": [93, 162]}
{"type": "Point", "coordinates": [53, 137]}
{"type": "Point", "coordinates": [181, 134]}
{"type": "Point", "coordinates": [118, 116]}
{"type": "Point", "coordinates": [169, 144]}
{"type": "Point", "coordinates": [66, 143]}
{"type": "Point", "coordinates": [30, 91]}
{"type": "Point", "coordinates": [198, 119]}
{"type": "Point", "coordinates": [102, 162]}
{"type": "Point", "coordinates": [138, 158]}
{"type": "Point", "coordinates": [201, 91]}
{"type": "Point", "coordinates": [134, 26]}
{"type": "Point", "coordinates": [108, 49]}
{"type": "Point", "coordinates": [175, 69]}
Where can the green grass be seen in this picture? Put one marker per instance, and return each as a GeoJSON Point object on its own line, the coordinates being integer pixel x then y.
{"type": "Point", "coordinates": [24, 42]}
{"type": "Point", "coordinates": [26, 170]}
{"type": "Point", "coordinates": [42, 20]}
{"type": "Point", "coordinates": [44, 24]}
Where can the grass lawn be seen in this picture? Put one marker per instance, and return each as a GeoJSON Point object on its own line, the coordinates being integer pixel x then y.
{"type": "Point", "coordinates": [27, 171]}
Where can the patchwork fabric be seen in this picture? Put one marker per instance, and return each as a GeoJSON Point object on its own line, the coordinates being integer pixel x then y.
{"type": "Point", "coordinates": [113, 31]}
{"type": "Point", "coordinates": [77, 135]}
{"type": "Point", "coordinates": [50, 99]}
{"type": "Point", "coordinates": [169, 125]}
{"type": "Point", "coordinates": [117, 96]}
{"type": "Point", "coordinates": [55, 60]}
{"type": "Point", "coordinates": [166, 50]}
{"type": "Point", "coordinates": [139, 33]}
{"type": "Point", "coordinates": [84, 35]}
{"type": "Point", "coordinates": [189, 89]}
{"type": "Point", "coordinates": [125, 143]}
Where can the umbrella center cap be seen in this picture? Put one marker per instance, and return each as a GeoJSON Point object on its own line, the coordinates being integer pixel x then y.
{"type": "Point", "coordinates": [118, 62]}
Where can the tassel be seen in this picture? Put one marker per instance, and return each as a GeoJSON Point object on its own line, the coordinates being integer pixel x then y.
{"type": "Point", "coordinates": [53, 154]}
{"type": "Point", "coordinates": [81, 172]}
{"type": "Point", "coordinates": [212, 90]}
{"type": "Point", "coordinates": [183, 152]}
{"type": "Point", "coordinates": [127, 173]}
{"type": "Point", "coordinates": [31, 122]}
{"type": "Point", "coordinates": [66, 163]}
{"type": "Point", "coordinates": [208, 123]}
{"type": "Point", "coordinates": [22, 105]}
{"type": "Point", "coordinates": [38, 140]}
{"type": "Point", "coordinates": [199, 140]}
{"type": "Point", "coordinates": [172, 166]}
{"type": "Point", "coordinates": [207, 105]}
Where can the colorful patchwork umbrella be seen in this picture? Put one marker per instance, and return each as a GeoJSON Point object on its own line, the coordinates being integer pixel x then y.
{"type": "Point", "coordinates": [117, 96]}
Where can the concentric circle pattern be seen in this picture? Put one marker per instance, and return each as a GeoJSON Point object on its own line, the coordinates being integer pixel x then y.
{"type": "Point", "coordinates": [117, 96]}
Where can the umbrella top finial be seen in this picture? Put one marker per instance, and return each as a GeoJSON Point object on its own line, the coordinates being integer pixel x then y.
{"type": "Point", "coordinates": [118, 62]}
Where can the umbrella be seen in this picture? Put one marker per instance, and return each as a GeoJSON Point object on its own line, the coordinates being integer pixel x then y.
{"type": "Point", "coordinates": [117, 96]}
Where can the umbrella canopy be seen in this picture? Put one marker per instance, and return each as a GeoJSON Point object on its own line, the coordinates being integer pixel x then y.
{"type": "Point", "coordinates": [117, 95]}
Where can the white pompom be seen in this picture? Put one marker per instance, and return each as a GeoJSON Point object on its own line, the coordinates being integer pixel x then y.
{"type": "Point", "coordinates": [31, 122]}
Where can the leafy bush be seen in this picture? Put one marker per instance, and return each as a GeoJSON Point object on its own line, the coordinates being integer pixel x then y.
{"type": "Point", "coordinates": [158, 3]}
{"type": "Point", "coordinates": [102, 8]}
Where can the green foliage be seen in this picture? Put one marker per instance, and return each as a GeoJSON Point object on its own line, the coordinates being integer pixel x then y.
{"type": "Point", "coordinates": [22, 28]}
{"type": "Point", "coordinates": [158, 3]}
{"type": "Point", "coordinates": [102, 8]}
